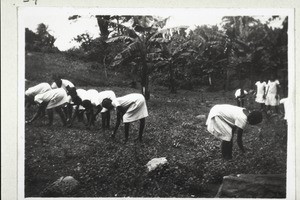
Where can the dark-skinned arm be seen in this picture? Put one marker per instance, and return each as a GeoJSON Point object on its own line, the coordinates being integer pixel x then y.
{"type": "Point", "coordinates": [73, 116]}
{"type": "Point", "coordinates": [41, 108]}
{"type": "Point", "coordinates": [278, 91]}
{"type": "Point", "coordinates": [90, 113]}
{"type": "Point", "coordinates": [119, 117]}
{"type": "Point", "coordinates": [98, 110]}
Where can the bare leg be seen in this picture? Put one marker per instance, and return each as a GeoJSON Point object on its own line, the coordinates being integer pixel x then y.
{"type": "Point", "coordinates": [50, 116]}
{"type": "Point", "coordinates": [108, 119]}
{"type": "Point", "coordinates": [126, 131]}
{"type": "Point", "coordinates": [70, 110]}
{"type": "Point", "coordinates": [103, 117]}
{"type": "Point", "coordinates": [142, 126]}
{"type": "Point", "coordinates": [61, 114]}
{"type": "Point", "coordinates": [226, 148]}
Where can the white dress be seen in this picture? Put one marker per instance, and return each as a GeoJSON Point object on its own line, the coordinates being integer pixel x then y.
{"type": "Point", "coordinates": [64, 84]}
{"type": "Point", "coordinates": [222, 118]}
{"type": "Point", "coordinates": [55, 97]}
{"type": "Point", "coordinates": [38, 89]}
{"type": "Point", "coordinates": [271, 93]}
{"type": "Point", "coordinates": [137, 106]}
{"type": "Point", "coordinates": [287, 108]}
{"type": "Point", "coordinates": [238, 93]}
{"type": "Point", "coordinates": [260, 91]}
{"type": "Point", "coordinates": [83, 96]}
{"type": "Point", "coordinates": [91, 94]}
{"type": "Point", "coordinates": [97, 99]}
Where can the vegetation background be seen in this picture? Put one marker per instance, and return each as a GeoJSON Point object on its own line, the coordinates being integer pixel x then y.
{"type": "Point", "coordinates": [184, 75]}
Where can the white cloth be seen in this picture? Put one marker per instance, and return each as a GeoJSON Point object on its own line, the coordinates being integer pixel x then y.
{"type": "Point", "coordinates": [271, 93]}
{"type": "Point", "coordinates": [137, 106]}
{"type": "Point", "coordinates": [238, 93]}
{"type": "Point", "coordinates": [260, 91]}
{"type": "Point", "coordinates": [97, 99]}
{"type": "Point", "coordinates": [91, 94]}
{"type": "Point", "coordinates": [82, 95]}
{"type": "Point", "coordinates": [55, 98]}
{"type": "Point", "coordinates": [222, 118]}
{"type": "Point", "coordinates": [64, 84]}
{"type": "Point", "coordinates": [38, 89]}
{"type": "Point", "coordinates": [287, 108]}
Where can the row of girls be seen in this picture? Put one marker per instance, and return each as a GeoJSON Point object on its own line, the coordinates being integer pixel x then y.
{"type": "Point", "coordinates": [70, 103]}
{"type": "Point", "coordinates": [266, 95]}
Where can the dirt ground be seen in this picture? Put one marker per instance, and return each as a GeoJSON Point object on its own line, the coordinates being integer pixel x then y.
{"type": "Point", "coordinates": [110, 168]}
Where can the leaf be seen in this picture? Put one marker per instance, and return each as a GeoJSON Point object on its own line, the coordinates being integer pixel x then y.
{"type": "Point", "coordinates": [162, 63]}
{"type": "Point", "coordinates": [159, 40]}
{"type": "Point", "coordinates": [119, 38]}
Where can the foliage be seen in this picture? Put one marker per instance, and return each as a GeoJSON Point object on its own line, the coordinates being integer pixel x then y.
{"type": "Point", "coordinates": [140, 38]}
{"type": "Point", "coordinates": [208, 55]}
{"type": "Point", "coordinates": [41, 41]}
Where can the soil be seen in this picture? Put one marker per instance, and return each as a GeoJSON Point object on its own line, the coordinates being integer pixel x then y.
{"type": "Point", "coordinates": [110, 168]}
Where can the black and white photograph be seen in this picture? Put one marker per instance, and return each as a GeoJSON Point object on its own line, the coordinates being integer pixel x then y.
{"type": "Point", "coordinates": [152, 102]}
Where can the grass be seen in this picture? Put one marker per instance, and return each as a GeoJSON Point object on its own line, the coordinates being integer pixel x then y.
{"type": "Point", "coordinates": [110, 168]}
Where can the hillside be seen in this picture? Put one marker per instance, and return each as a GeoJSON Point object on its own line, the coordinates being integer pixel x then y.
{"type": "Point", "coordinates": [108, 168]}
{"type": "Point", "coordinates": [39, 67]}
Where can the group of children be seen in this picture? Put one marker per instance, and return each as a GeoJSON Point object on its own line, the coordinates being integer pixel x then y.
{"type": "Point", "coordinates": [70, 103]}
{"type": "Point", "coordinates": [267, 94]}
{"type": "Point", "coordinates": [223, 121]}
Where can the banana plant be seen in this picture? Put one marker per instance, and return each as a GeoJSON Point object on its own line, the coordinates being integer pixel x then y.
{"type": "Point", "coordinates": [176, 54]}
{"type": "Point", "coordinates": [143, 38]}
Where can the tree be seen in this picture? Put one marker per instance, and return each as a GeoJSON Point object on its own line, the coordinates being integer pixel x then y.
{"type": "Point", "coordinates": [42, 40]}
{"type": "Point", "coordinates": [179, 52]}
{"type": "Point", "coordinates": [142, 38]}
{"type": "Point", "coordinates": [45, 37]}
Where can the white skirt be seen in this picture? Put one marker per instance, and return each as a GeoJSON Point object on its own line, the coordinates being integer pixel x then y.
{"type": "Point", "coordinates": [219, 128]}
{"type": "Point", "coordinates": [271, 100]}
{"type": "Point", "coordinates": [260, 98]}
{"type": "Point", "coordinates": [136, 111]}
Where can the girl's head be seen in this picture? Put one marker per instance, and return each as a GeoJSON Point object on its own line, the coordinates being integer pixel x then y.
{"type": "Point", "coordinates": [255, 117]}
{"type": "Point", "coordinates": [77, 100]}
{"type": "Point", "coordinates": [272, 77]}
{"type": "Point", "coordinates": [87, 104]}
{"type": "Point", "coordinates": [71, 91]}
{"type": "Point", "coordinates": [57, 80]}
{"type": "Point", "coordinates": [106, 103]}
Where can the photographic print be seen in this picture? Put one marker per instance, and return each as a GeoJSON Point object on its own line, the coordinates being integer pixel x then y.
{"type": "Point", "coordinates": [185, 103]}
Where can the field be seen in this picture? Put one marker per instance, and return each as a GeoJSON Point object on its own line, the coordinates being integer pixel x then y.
{"type": "Point", "coordinates": [110, 168]}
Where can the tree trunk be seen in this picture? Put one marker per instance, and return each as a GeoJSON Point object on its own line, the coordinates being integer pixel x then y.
{"type": "Point", "coordinates": [172, 82]}
{"type": "Point", "coordinates": [145, 79]}
{"type": "Point", "coordinates": [227, 80]}
{"type": "Point", "coordinates": [102, 21]}
{"type": "Point", "coordinates": [104, 66]}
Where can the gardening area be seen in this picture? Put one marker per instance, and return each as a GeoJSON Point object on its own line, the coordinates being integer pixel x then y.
{"type": "Point", "coordinates": [105, 167]}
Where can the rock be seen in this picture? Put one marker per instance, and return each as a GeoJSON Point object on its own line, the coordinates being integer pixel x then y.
{"type": "Point", "coordinates": [253, 186]}
{"type": "Point", "coordinates": [155, 162]}
{"type": "Point", "coordinates": [201, 117]}
{"type": "Point", "coordinates": [62, 187]}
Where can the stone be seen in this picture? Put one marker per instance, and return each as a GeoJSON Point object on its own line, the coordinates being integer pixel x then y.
{"type": "Point", "coordinates": [201, 117]}
{"type": "Point", "coordinates": [62, 187]}
{"type": "Point", "coordinates": [253, 186]}
{"type": "Point", "coordinates": [155, 162]}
